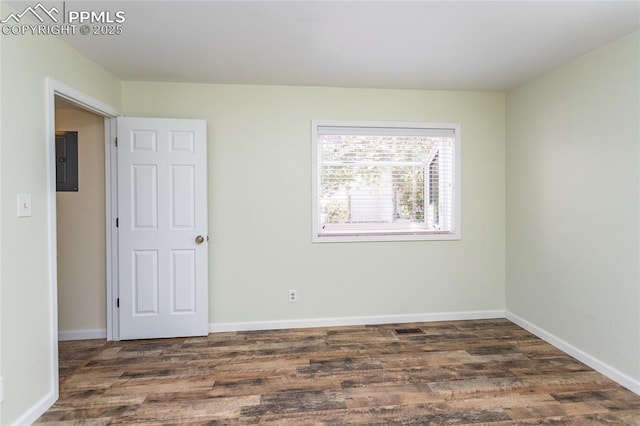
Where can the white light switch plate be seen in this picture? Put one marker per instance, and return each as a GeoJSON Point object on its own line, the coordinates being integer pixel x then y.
{"type": "Point", "coordinates": [24, 205]}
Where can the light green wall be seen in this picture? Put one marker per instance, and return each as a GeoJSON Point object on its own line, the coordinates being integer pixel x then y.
{"type": "Point", "coordinates": [572, 203]}
{"type": "Point", "coordinates": [260, 204]}
{"type": "Point", "coordinates": [26, 297]}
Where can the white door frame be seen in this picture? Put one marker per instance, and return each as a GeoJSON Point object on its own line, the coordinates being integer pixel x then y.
{"type": "Point", "coordinates": [55, 88]}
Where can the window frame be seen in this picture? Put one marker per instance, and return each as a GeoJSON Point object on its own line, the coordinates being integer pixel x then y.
{"type": "Point", "coordinates": [385, 234]}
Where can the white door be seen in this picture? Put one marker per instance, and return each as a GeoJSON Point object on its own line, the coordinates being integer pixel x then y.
{"type": "Point", "coordinates": [162, 230]}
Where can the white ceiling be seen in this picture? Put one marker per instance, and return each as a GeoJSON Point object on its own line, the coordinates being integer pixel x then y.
{"type": "Point", "coordinates": [474, 45]}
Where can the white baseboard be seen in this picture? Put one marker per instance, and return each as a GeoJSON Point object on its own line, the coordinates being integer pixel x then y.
{"type": "Point", "coordinates": [344, 321]}
{"type": "Point", "coordinates": [593, 362]}
{"type": "Point", "coordinates": [36, 410]}
{"type": "Point", "coordinates": [96, 333]}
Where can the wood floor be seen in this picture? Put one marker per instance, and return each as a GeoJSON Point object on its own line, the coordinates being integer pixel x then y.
{"type": "Point", "coordinates": [444, 373]}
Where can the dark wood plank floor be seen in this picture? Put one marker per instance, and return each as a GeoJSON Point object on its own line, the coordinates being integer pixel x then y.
{"type": "Point", "coordinates": [462, 372]}
{"type": "Point", "coordinates": [74, 354]}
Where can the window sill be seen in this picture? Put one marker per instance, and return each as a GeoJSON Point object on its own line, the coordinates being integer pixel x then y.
{"type": "Point", "coordinates": [342, 237]}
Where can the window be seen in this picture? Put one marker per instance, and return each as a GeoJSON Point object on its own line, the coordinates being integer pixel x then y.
{"type": "Point", "coordinates": [385, 181]}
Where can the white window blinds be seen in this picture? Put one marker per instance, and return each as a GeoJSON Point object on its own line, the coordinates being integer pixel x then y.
{"type": "Point", "coordinates": [384, 181]}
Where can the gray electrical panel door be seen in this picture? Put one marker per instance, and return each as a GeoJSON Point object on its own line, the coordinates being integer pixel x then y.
{"type": "Point", "coordinates": [67, 161]}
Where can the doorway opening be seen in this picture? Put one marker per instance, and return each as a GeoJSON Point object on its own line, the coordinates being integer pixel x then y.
{"type": "Point", "coordinates": [81, 242]}
{"type": "Point", "coordinates": [71, 99]}
{"type": "Point", "coordinates": [80, 213]}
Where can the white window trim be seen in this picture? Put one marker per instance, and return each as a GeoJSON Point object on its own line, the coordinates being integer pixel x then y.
{"type": "Point", "coordinates": [402, 235]}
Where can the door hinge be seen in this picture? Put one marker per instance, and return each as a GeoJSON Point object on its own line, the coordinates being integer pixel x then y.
{"type": "Point", "coordinates": [118, 302]}
{"type": "Point", "coordinates": [117, 222]}
{"type": "Point", "coordinates": [116, 142]}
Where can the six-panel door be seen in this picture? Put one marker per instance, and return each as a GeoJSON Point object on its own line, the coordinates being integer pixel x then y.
{"type": "Point", "coordinates": [162, 209]}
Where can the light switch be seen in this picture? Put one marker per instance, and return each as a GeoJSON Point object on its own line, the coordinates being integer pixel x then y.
{"type": "Point", "coordinates": [24, 205]}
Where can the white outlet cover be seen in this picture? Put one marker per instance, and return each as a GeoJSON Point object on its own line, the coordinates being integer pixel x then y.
{"type": "Point", "coordinates": [24, 205]}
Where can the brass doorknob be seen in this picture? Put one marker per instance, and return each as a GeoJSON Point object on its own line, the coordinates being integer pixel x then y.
{"type": "Point", "coordinates": [199, 239]}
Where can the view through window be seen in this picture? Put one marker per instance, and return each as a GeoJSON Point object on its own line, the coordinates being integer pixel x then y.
{"type": "Point", "coordinates": [388, 181]}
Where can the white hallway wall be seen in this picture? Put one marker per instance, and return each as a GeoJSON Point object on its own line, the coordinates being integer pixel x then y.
{"type": "Point", "coordinates": [572, 204]}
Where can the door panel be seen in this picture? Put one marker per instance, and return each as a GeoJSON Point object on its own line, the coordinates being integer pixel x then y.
{"type": "Point", "coordinates": [162, 204]}
{"type": "Point", "coordinates": [145, 282]}
{"type": "Point", "coordinates": [144, 196]}
{"type": "Point", "coordinates": [183, 283]}
{"type": "Point", "coordinates": [183, 202]}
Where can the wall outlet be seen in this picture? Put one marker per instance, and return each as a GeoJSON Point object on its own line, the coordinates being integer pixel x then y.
{"type": "Point", "coordinates": [293, 296]}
